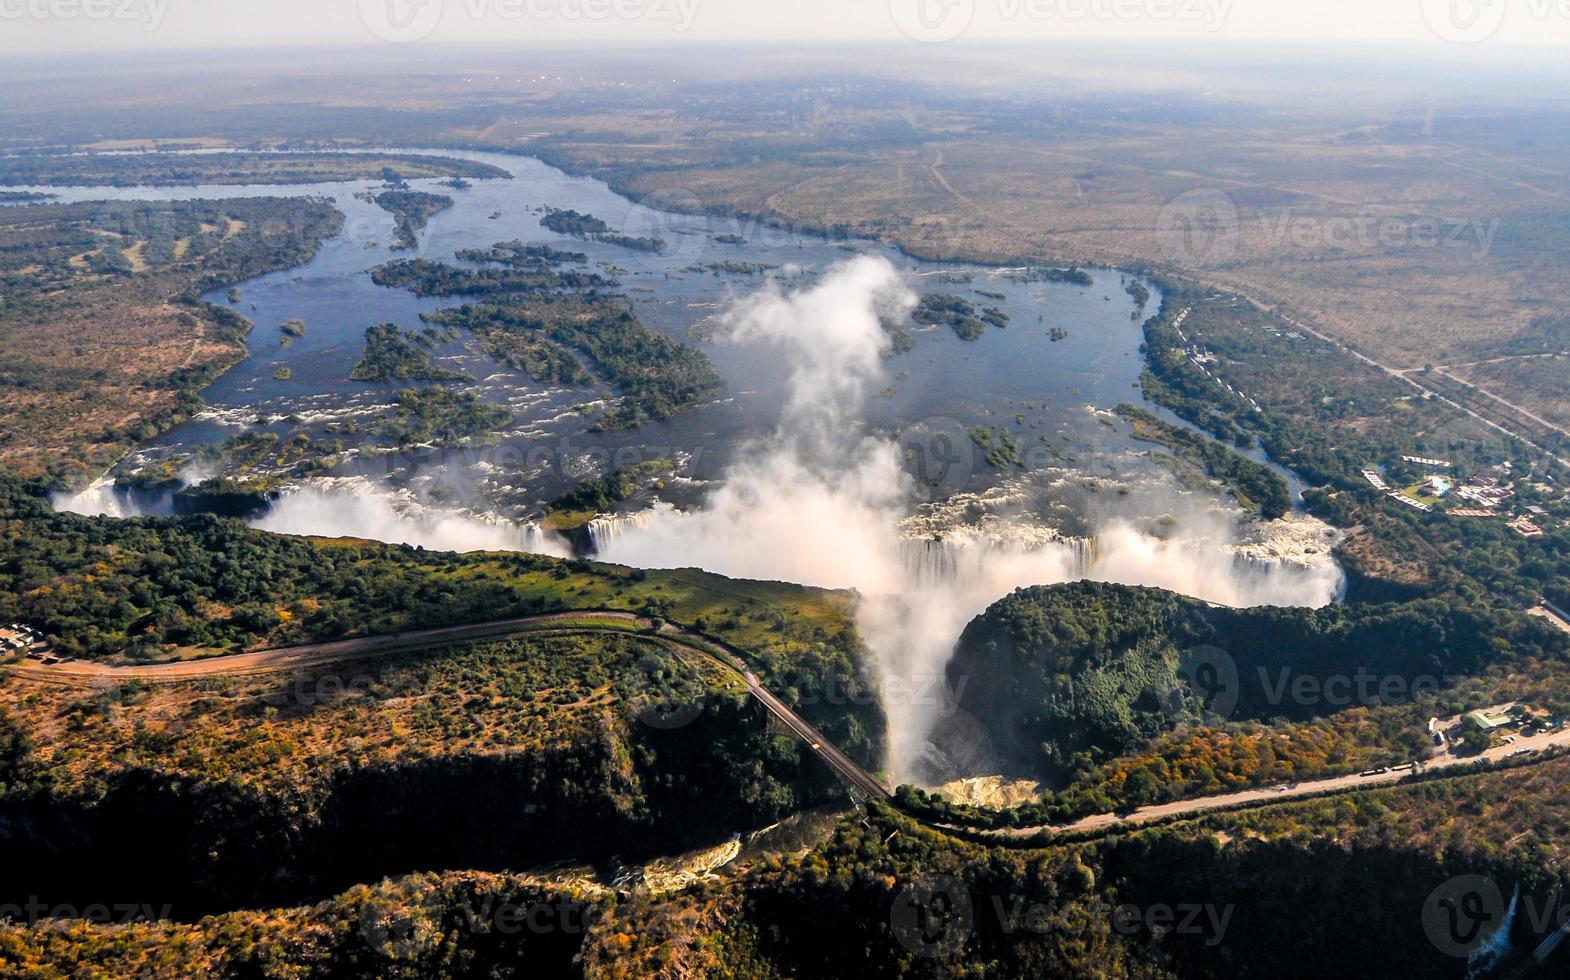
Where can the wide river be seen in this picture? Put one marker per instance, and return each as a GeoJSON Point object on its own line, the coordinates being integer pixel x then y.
{"type": "Point", "coordinates": [1069, 354]}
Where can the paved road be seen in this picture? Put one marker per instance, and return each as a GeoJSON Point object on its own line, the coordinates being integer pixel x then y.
{"type": "Point", "coordinates": [83, 673]}
{"type": "Point", "coordinates": [732, 660]}
{"type": "Point", "coordinates": [1278, 794]}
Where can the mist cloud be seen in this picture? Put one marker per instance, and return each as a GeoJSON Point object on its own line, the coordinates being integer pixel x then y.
{"type": "Point", "coordinates": [820, 503]}
{"type": "Point", "coordinates": [365, 512]}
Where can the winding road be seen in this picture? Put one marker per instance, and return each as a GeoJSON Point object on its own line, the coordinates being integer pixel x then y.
{"type": "Point", "coordinates": [684, 640]}
{"type": "Point", "coordinates": [83, 673]}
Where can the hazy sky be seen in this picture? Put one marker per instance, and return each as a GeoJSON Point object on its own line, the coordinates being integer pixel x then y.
{"type": "Point", "coordinates": [41, 26]}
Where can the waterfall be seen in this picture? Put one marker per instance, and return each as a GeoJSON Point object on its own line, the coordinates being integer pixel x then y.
{"type": "Point", "coordinates": [603, 532]}
{"type": "Point", "coordinates": [105, 498]}
{"type": "Point", "coordinates": [943, 561]}
{"type": "Point", "coordinates": [930, 561]}
{"type": "Point", "coordinates": [523, 537]}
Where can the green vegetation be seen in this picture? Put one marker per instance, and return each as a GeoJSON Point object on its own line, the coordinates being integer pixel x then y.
{"type": "Point", "coordinates": [1073, 275]}
{"type": "Point", "coordinates": [441, 417]}
{"type": "Point", "coordinates": [507, 753]}
{"type": "Point", "coordinates": [424, 277]}
{"type": "Point", "coordinates": [519, 255]}
{"type": "Point", "coordinates": [412, 210]}
{"type": "Point", "coordinates": [601, 494]}
{"type": "Point", "coordinates": [739, 268]}
{"type": "Point", "coordinates": [1000, 446]}
{"type": "Point", "coordinates": [1321, 412]}
{"type": "Point", "coordinates": [542, 360]}
{"type": "Point", "coordinates": [569, 222]}
{"type": "Point", "coordinates": [1096, 687]}
{"type": "Point", "coordinates": [293, 328]}
{"type": "Point", "coordinates": [946, 309]}
{"type": "Point", "coordinates": [1330, 416]}
{"type": "Point", "coordinates": [392, 354]}
{"type": "Point", "coordinates": [535, 313]}
{"type": "Point", "coordinates": [657, 377]}
{"type": "Point", "coordinates": [165, 169]}
{"type": "Point", "coordinates": [1220, 887]}
{"type": "Point", "coordinates": [409, 929]}
{"type": "Point", "coordinates": [151, 588]}
{"type": "Point", "coordinates": [1256, 486]}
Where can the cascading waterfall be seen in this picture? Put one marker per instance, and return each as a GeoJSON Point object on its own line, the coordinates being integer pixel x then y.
{"type": "Point", "coordinates": [604, 532]}
{"type": "Point", "coordinates": [942, 561]}
{"type": "Point", "coordinates": [524, 537]}
{"type": "Point", "coordinates": [105, 498]}
{"type": "Point", "coordinates": [935, 562]}
{"type": "Point", "coordinates": [824, 502]}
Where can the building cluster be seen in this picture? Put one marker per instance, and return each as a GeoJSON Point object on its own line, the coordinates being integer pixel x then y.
{"type": "Point", "coordinates": [18, 640]}
{"type": "Point", "coordinates": [1486, 492]}
{"type": "Point", "coordinates": [1524, 527]}
{"type": "Point", "coordinates": [1488, 496]}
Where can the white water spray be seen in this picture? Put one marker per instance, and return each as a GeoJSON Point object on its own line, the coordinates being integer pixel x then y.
{"type": "Point", "coordinates": [821, 503]}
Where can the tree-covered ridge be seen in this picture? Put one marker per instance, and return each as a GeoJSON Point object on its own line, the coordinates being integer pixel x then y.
{"type": "Point", "coordinates": [880, 896]}
{"type": "Point", "coordinates": [151, 588]}
{"type": "Point", "coordinates": [411, 928]}
{"type": "Point", "coordinates": [510, 753]}
{"type": "Point", "coordinates": [1067, 678]}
